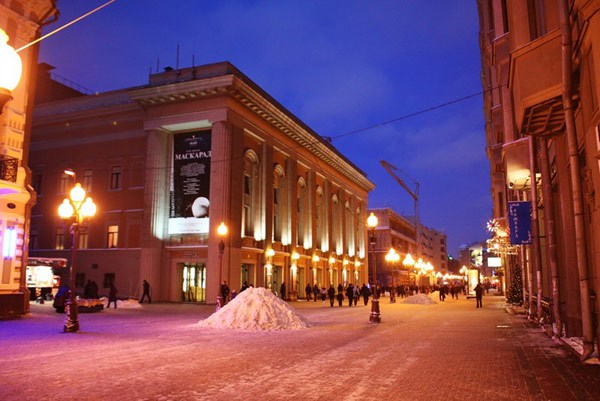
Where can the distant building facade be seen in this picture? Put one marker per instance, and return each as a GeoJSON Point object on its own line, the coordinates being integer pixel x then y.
{"type": "Point", "coordinates": [22, 22]}
{"type": "Point", "coordinates": [167, 162]}
{"type": "Point", "coordinates": [541, 76]}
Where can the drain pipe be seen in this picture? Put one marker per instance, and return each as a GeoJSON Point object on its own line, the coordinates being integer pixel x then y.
{"type": "Point", "coordinates": [567, 93]}
{"type": "Point", "coordinates": [550, 221]}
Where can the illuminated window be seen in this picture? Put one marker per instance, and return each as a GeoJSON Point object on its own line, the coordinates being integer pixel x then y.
{"type": "Point", "coordinates": [59, 238]}
{"type": "Point", "coordinates": [9, 243]}
{"type": "Point", "coordinates": [113, 237]}
{"type": "Point", "coordinates": [63, 184]}
{"type": "Point", "coordinates": [83, 241]}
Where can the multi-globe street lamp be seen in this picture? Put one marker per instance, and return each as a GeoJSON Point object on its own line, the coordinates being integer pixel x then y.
{"type": "Point", "coordinates": [221, 232]}
{"type": "Point", "coordinates": [408, 263]}
{"type": "Point", "coordinates": [392, 258]}
{"type": "Point", "coordinates": [10, 69]}
{"type": "Point", "coordinates": [76, 209]}
{"type": "Point", "coordinates": [375, 316]}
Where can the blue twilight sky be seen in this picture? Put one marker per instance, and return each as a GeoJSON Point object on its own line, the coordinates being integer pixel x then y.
{"type": "Point", "coordinates": [340, 66]}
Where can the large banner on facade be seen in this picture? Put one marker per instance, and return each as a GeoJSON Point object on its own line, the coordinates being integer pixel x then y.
{"type": "Point", "coordinates": [519, 221]}
{"type": "Point", "coordinates": [190, 183]}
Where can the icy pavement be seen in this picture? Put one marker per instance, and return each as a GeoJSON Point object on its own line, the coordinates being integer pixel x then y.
{"type": "Point", "coordinates": [445, 351]}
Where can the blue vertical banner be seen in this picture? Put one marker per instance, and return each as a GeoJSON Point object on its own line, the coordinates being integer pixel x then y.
{"type": "Point", "coordinates": [519, 222]}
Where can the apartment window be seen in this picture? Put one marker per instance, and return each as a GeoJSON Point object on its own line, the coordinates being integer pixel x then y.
{"type": "Point", "coordinates": [278, 184]}
{"type": "Point", "coordinates": [87, 180]}
{"type": "Point", "coordinates": [36, 182]}
{"type": "Point", "coordinates": [79, 279]}
{"type": "Point", "coordinates": [504, 16]}
{"type": "Point", "coordinates": [115, 177]}
{"type": "Point", "coordinates": [109, 279]}
{"type": "Point", "coordinates": [83, 241]}
{"type": "Point", "coordinates": [112, 237]}
{"type": "Point", "coordinates": [33, 239]}
{"type": "Point", "coordinates": [59, 238]}
{"type": "Point", "coordinates": [501, 204]}
{"type": "Point", "coordinates": [63, 184]}
{"type": "Point", "coordinates": [300, 211]}
{"type": "Point", "coordinates": [537, 18]}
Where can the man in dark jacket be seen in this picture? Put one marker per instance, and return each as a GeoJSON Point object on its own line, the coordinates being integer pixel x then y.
{"type": "Point", "coordinates": [308, 290]}
{"type": "Point", "coordinates": [479, 295]}
{"type": "Point", "coordinates": [331, 295]}
{"type": "Point", "coordinates": [146, 293]}
{"type": "Point", "coordinates": [365, 292]}
{"type": "Point", "coordinates": [350, 294]}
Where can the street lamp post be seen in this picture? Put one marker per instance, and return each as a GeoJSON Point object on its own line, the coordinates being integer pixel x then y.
{"type": "Point", "coordinates": [10, 69]}
{"type": "Point", "coordinates": [76, 209]}
{"type": "Point", "coordinates": [375, 316]}
{"type": "Point", "coordinates": [464, 270]}
{"type": "Point", "coordinates": [408, 263]}
{"type": "Point", "coordinates": [392, 259]}
{"type": "Point", "coordinates": [222, 232]}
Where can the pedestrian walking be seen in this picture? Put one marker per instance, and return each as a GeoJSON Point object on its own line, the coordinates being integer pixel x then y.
{"type": "Point", "coordinates": [479, 295]}
{"type": "Point", "coordinates": [340, 297]}
{"type": "Point", "coordinates": [282, 290]}
{"type": "Point", "coordinates": [350, 294]}
{"type": "Point", "coordinates": [112, 295]}
{"type": "Point", "coordinates": [146, 287]}
{"type": "Point", "coordinates": [365, 293]}
{"type": "Point", "coordinates": [331, 295]}
{"type": "Point", "coordinates": [315, 291]}
{"type": "Point", "coordinates": [323, 293]}
{"type": "Point", "coordinates": [355, 294]}
{"type": "Point", "coordinates": [224, 293]}
{"type": "Point", "coordinates": [308, 290]}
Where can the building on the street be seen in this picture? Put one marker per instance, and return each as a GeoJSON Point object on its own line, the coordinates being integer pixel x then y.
{"type": "Point", "coordinates": [439, 258]}
{"type": "Point", "coordinates": [541, 77]}
{"type": "Point", "coordinates": [167, 162]}
{"type": "Point", "coordinates": [22, 22]}
{"type": "Point", "coordinates": [393, 231]}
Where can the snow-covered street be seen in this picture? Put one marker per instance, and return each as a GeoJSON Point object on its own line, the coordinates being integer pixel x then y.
{"type": "Point", "coordinates": [442, 351]}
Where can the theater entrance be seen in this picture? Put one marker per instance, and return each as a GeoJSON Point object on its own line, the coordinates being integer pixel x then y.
{"type": "Point", "coordinates": [193, 288]}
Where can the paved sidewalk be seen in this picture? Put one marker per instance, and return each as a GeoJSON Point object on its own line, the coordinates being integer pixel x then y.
{"type": "Point", "coordinates": [447, 351]}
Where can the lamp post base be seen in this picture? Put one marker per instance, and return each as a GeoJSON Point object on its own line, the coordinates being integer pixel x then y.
{"type": "Point", "coordinates": [71, 321]}
{"type": "Point", "coordinates": [375, 315]}
{"type": "Point", "coordinates": [219, 303]}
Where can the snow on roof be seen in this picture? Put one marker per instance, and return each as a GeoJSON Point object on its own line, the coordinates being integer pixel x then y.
{"type": "Point", "coordinates": [256, 309]}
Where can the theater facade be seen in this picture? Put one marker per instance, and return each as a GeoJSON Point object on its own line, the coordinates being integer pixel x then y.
{"type": "Point", "coordinates": [166, 163]}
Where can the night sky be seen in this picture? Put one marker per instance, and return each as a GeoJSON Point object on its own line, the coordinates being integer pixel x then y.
{"type": "Point", "coordinates": [368, 74]}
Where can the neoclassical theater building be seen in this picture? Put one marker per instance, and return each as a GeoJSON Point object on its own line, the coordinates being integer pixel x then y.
{"type": "Point", "coordinates": [166, 163]}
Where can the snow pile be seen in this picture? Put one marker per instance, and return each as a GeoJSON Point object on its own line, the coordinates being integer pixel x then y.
{"type": "Point", "coordinates": [123, 303]}
{"type": "Point", "coordinates": [256, 309]}
{"type": "Point", "coordinates": [420, 299]}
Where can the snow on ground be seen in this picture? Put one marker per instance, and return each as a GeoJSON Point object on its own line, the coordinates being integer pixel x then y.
{"type": "Point", "coordinates": [256, 309]}
{"type": "Point", "coordinates": [420, 299]}
{"type": "Point", "coordinates": [123, 303]}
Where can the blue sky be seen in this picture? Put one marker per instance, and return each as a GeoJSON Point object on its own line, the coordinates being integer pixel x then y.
{"type": "Point", "coordinates": [340, 66]}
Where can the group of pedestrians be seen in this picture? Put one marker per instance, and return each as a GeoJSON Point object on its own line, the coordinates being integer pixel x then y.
{"type": "Point", "coordinates": [353, 293]}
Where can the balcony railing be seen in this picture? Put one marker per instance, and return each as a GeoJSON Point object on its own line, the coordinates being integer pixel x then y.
{"type": "Point", "coordinates": [8, 168]}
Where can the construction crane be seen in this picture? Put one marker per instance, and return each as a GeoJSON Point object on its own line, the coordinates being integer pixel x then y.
{"type": "Point", "coordinates": [413, 193]}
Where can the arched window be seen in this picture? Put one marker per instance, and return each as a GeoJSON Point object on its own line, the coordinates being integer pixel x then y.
{"type": "Point", "coordinates": [278, 200]}
{"type": "Point", "coordinates": [301, 212]}
{"type": "Point", "coordinates": [251, 176]}
{"type": "Point", "coordinates": [349, 231]}
{"type": "Point", "coordinates": [320, 221]}
{"type": "Point", "coordinates": [336, 224]}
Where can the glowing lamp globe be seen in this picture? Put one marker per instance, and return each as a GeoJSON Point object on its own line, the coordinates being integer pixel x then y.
{"type": "Point", "coordinates": [10, 64]}
{"type": "Point", "coordinates": [65, 210]}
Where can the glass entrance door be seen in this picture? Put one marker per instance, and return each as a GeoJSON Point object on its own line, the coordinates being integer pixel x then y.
{"type": "Point", "coordinates": [194, 282]}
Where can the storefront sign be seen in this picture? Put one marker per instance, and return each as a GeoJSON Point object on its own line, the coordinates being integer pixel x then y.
{"type": "Point", "coordinates": [519, 221]}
